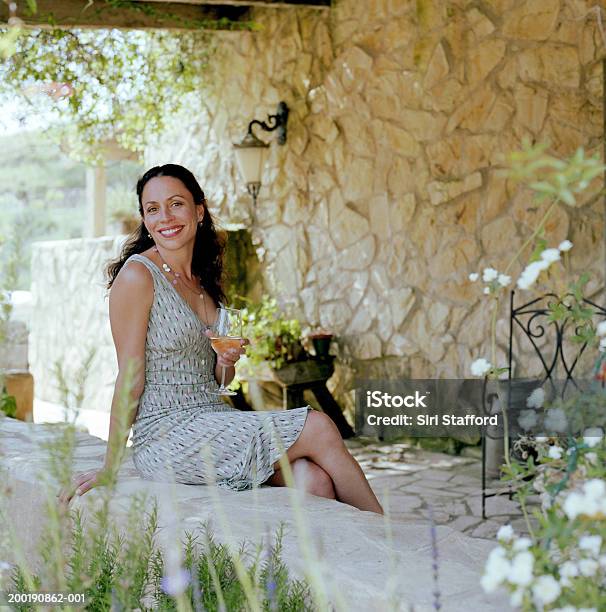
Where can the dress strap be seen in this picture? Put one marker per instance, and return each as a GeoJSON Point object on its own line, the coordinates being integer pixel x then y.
{"type": "Point", "coordinates": [148, 263]}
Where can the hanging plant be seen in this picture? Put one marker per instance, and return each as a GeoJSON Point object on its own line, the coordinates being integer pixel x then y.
{"type": "Point", "coordinates": [101, 85]}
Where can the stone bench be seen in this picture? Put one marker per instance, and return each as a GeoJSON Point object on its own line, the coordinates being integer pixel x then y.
{"type": "Point", "coordinates": [355, 549]}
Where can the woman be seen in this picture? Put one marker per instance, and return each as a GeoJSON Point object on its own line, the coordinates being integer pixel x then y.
{"type": "Point", "coordinates": [165, 290]}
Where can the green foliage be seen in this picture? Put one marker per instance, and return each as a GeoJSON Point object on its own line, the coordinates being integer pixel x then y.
{"type": "Point", "coordinates": [127, 570]}
{"type": "Point", "coordinates": [215, 584]}
{"type": "Point", "coordinates": [552, 178]}
{"type": "Point", "coordinates": [8, 403]}
{"type": "Point", "coordinates": [126, 83]}
{"type": "Point", "coordinates": [273, 336]}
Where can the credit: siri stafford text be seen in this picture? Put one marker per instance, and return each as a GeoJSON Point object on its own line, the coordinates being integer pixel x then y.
{"type": "Point", "coordinates": [429, 420]}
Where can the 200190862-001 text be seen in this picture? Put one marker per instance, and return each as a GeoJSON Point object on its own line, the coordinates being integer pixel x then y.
{"type": "Point", "coordinates": [45, 598]}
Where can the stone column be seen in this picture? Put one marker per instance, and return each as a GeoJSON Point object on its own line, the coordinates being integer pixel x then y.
{"type": "Point", "coordinates": [96, 183]}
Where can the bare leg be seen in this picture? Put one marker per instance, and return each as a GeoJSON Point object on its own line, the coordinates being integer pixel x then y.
{"type": "Point", "coordinates": [309, 477]}
{"type": "Point", "coordinates": [321, 442]}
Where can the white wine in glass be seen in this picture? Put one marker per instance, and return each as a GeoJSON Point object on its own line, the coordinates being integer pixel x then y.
{"type": "Point", "coordinates": [226, 335]}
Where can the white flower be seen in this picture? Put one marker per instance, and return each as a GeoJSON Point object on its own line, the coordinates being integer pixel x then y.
{"type": "Point", "coordinates": [4, 566]}
{"type": "Point", "coordinates": [541, 438]}
{"type": "Point", "coordinates": [555, 452]}
{"type": "Point", "coordinates": [550, 255]}
{"type": "Point", "coordinates": [496, 570]}
{"type": "Point", "coordinates": [527, 419]}
{"type": "Point", "coordinates": [480, 367]}
{"type": "Point", "coordinates": [595, 488]}
{"type": "Point", "coordinates": [516, 598]}
{"type": "Point", "coordinates": [601, 328]}
{"type": "Point", "coordinates": [565, 245]}
{"type": "Point", "coordinates": [591, 543]}
{"type": "Point", "coordinates": [592, 436]}
{"type": "Point", "coordinates": [473, 277]}
{"type": "Point", "coordinates": [521, 569]}
{"type": "Point", "coordinates": [590, 502]}
{"type": "Point", "coordinates": [574, 505]}
{"type": "Point", "coordinates": [602, 561]}
{"type": "Point", "coordinates": [588, 567]}
{"type": "Point", "coordinates": [486, 290]}
{"type": "Point", "coordinates": [556, 420]}
{"type": "Point", "coordinates": [592, 458]}
{"type": "Point", "coordinates": [602, 346]}
{"type": "Point", "coordinates": [505, 533]}
{"type": "Point", "coordinates": [504, 280]}
{"type": "Point", "coordinates": [522, 544]}
{"type": "Point", "coordinates": [545, 590]}
{"type": "Point", "coordinates": [536, 398]}
{"type": "Point", "coordinates": [489, 274]}
{"type": "Point", "coordinates": [568, 570]}
{"type": "Point", "coordinates": [531, 273]}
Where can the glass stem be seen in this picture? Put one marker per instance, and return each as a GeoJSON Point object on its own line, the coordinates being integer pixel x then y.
{"type": "Point", "coordinates": [222, 377]}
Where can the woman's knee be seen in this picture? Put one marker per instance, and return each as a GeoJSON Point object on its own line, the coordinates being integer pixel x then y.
{"type": "Point", "coordinates": [321, 428]}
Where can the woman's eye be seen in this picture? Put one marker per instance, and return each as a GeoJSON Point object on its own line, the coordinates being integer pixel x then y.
{"type": "Point", "coordinates": [178, 203]}
{"type": "Point", "coordinates": [151, 210]}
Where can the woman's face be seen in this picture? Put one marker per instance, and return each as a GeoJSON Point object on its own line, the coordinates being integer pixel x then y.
{"type": "Point", "coordinates": [169, 212]}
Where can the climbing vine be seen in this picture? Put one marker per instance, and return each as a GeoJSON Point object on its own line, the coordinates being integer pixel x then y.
{"type": "Point", "coordinates": [101, 85]}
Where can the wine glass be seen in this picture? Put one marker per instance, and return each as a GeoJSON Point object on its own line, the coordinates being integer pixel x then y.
{"type": "Point", "coordinates": [226, 334]}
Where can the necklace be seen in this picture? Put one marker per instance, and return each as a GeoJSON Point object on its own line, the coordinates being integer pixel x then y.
{"type": "Point", "coordinates": [179, 279]}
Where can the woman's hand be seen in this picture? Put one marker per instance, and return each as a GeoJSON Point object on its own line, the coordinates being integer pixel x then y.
{"type": "Point", "coordinates": [82, 483]}
{"type": "Point", "coordinates": [230, 357]}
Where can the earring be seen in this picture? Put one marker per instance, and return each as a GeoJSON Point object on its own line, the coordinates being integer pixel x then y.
{"type": "Point", "coordinates": [149, 235]}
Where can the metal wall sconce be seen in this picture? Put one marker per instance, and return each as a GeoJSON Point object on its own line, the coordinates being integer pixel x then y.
{"type": "Point", "coordinates": [251, 153]}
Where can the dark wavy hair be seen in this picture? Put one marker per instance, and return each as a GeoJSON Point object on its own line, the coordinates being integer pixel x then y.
{"type": "Point", "coordinates": [207, 258]}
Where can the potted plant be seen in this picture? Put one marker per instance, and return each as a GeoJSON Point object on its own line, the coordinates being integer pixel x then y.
{"type": "Point", "coordinates": [275, 338]}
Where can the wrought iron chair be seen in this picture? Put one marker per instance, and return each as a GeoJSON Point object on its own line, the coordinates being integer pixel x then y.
{"type": "Point", "coordinates": [559, 357]}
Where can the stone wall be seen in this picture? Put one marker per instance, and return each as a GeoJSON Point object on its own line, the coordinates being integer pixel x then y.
{"type": "Point", "coordinates": [387, 193]}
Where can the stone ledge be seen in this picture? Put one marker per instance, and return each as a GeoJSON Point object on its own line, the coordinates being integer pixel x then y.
{"type": "Point", "coordinates": [355, 549]}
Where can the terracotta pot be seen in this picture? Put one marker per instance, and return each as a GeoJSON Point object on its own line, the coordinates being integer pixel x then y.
{"type": "Point", "coordinates": [21, 386]}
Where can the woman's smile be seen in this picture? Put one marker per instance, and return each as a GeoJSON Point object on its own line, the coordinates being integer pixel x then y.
{"type": "Point", "coordinates": [169, 232]}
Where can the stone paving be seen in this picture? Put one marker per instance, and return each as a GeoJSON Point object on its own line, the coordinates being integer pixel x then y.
{"type": "Point", "coordinates": [409, 481]}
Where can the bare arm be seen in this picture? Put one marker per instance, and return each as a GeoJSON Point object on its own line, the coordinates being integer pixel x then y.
{"type": "Point", "coordinates": [130, 302]}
